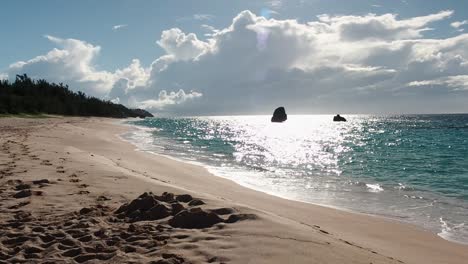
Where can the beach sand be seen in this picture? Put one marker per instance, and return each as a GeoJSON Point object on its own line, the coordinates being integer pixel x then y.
{"type": "Point", "coordinates": [68, 190]}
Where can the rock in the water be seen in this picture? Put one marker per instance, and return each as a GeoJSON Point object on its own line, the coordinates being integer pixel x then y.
{"type": "Point", "coordinates": [195, 218]}
{"type": "Point", "coordinates": [279, 115]}
{"type": "Point", "coordinates": [339, 118]}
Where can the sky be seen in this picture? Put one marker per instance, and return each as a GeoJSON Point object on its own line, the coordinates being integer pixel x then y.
{"type": "Point", "coordinates": [216, 57]}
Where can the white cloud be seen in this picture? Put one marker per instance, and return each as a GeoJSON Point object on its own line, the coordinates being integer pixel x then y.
{"type": "Point", "coordinates": [3, 76]}
{"type": "Point", "coordinates": [73, 63]}
{"type": "Point", "coordinates": [118, 27]}
{"type": "Point", "coordinates": [370, 63]}
{"type": "Point", "coordinates": [458, 82]}
{"type": "Point", "coordinates": [275, 3]}
{"type": "Point", "coordinates": [458, 24]}
{"type": "Point", "coordinates": [208, 27]}
{"type": "Point", "coordinates": [203, 16]}
{"type": "Point", "coordinates": [385, 26]}
{"type": "Point", "coordinates": [173, 98]}
{"type": "Point", "coordinates": [180, 45]}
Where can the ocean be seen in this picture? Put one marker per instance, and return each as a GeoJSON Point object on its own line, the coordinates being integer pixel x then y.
{"type": "Point", "coordinates": [413, 168]}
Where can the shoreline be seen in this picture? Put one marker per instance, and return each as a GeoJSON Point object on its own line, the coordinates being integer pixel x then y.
{"type": "Point", "coordinates": [212, 172]}
{"type": "Point", "coordinates": [284, 231]}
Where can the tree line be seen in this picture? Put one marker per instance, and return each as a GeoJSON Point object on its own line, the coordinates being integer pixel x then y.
{"type": "Point", "coordinates": [28, 96]}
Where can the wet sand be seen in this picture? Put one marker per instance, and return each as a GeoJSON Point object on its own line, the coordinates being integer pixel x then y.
{"type": "Point", "coordinates": [72, 191]}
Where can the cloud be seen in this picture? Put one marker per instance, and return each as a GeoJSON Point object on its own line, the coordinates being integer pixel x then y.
{"type": "Point", "coordinates": [369, 63]}
{"type": "Point", "coordinates": [173, 98]}
{"type": "Point", "coordinates": [73, 63]}
{"type": "Point", "coordinates": [181, 46]}
{"type": "Point", "coordinates": [384, 27]}
{"type": "Point", "coordinates": [275, 3]}
{"type": "Point", "coordinates": [203, 16]}
{"type": "Point", "coordinates": [3, 76]}
{"type": "Point", "coordinates": [118, 27]}
{"type": "Point", "coordinates": [458, 24]}
{"type": "Point", "coordinates": [198, 17]}
{"type": "Point", "coordinates": [458, 82]}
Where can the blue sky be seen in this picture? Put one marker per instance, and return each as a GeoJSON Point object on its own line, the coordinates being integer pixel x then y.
{"type": "Point", "coordinates": [25, 23]}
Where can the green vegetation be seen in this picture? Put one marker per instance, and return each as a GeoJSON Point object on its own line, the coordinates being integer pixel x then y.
{"type": "Point", "coordinates": [38, 97]}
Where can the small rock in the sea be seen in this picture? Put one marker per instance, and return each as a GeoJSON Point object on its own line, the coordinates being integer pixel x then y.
{"type": "Point", "coordinates": [279, 115]}
{"type": "Point", "coordinates": [22, 194]}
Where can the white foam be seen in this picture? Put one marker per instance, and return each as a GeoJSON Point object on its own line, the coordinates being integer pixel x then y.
{"type": "Point", "coordinates": [374, 187]}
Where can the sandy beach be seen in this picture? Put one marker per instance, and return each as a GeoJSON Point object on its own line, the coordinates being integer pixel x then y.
{"type": "Point", "coordinates": [73, 192]}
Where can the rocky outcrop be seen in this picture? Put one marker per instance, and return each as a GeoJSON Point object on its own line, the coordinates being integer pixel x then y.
{"type": "Point", "coordinates": [180, 211]}
{"type": "Point", "coordinates": [339, 118]}
{"type": "Point", "coordinates": [279, 115]}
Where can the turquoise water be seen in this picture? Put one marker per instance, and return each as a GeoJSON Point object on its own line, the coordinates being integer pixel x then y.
{"type": "Point", "coordinates": [410, 167]}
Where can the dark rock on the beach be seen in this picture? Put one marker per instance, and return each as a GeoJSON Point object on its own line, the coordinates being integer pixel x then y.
{"type": "Point", "coordinates": [240, 217]}
{"type": "Point", "coordinates": [22, 186]}
{"type": "Point", "coordinates": [22, 194]}
{"type": "Point", "coordinates": [166, 197]}
{"type": "Point", "coordinates": [85, 210]}
{"type": "Point", "coordinates": [43, 181]}
{"type": "Point", "coordinates": [146, 207]}
{"type": "Point", "coordinates": [196, 202]}
{"type": "Point", "coordinates": [223, 211]}
{"type": "Point", "coordinates": [279, 115]}
{"type": "Point", "coordinates": [157, 212]}
{"type": "Point", "coordinates": [184, 198]}
{"type": "Point", "coordinates": [195, 218]}
{"type": "Point", "coordinates": [176, 208]}
{"type": "Point", "coordinates": [339, 118]}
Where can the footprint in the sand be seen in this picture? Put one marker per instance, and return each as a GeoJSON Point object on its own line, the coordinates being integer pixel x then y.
{"type": "Point", "coordinates": [96, 234]}
{"type": "Point", "coordinates": [46, 163]}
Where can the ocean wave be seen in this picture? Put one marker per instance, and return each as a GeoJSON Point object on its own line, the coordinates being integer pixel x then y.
{"type": "Point", "coordinates": [374, 187]}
